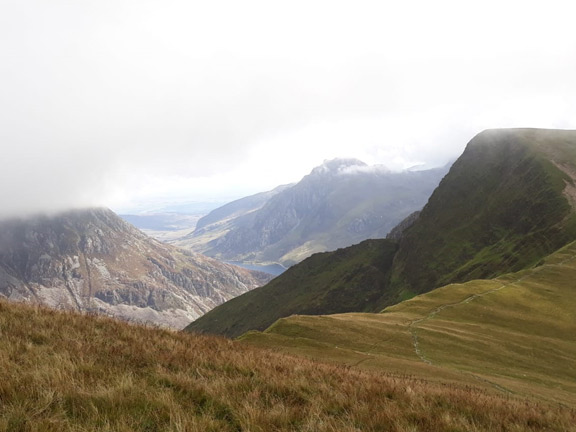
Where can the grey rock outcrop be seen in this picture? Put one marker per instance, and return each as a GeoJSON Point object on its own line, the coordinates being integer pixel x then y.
{"type": "Point", "coordinates": [93, 261]}
{"type": "Point", "coordinates": [340, 203]}
{"type": "Point", "coordinates": [397, 232]}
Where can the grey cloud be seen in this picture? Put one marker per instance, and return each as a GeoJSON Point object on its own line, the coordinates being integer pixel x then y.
{"type": "Point", "coordinates": [94, 92]}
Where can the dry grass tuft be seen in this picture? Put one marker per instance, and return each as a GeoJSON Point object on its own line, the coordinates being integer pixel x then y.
{"type": "Point", "coordinates": [62, 371]}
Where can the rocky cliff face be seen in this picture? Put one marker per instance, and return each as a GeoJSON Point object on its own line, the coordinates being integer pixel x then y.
{"type": "Point", "coordinates": [398, 231]}
{"type": "Point", "coordinates": [93, 261]}
{"type": "Point", "coordinates": [340, 203]}
{"type": "Point", "coordinates": [238, 208]}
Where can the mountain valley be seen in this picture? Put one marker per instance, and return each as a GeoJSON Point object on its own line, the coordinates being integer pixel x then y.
{"type": "Point", "coordinates": [462, 319]}
{"type": "Point", "coordinates": [505, 205]}
{"type": "Point", "coordinates": [340, 203]}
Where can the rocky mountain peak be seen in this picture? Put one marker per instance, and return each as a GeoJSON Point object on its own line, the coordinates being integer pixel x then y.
{"type": "Point", "coordinates": [336, 166]}
{"type": "Point", "coordinates": [340, 203]}
{"type": "Point", "coordinates": [91, 260]}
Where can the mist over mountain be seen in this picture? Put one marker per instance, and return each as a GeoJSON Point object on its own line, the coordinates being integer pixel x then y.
{"type": "Point", "coordinates": [93, 261]}
{"type": "Point", "coordinates": [340, 203]}
{"type": "Point", "coordinates": [425, 271]}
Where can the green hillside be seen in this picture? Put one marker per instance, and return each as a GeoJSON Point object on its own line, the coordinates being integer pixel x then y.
{"type": "Point", "coordinates": [506, 203]}
{"type": "Point", "coordinates": [349, 279]}
{"type": "Point", "coordinates": [501, 208]}
{"type": "Point", "coordinates": [516, 333]}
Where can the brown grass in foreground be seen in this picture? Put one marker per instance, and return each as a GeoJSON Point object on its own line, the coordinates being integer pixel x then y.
{"type": "Point", "coordinates": [67, 372]}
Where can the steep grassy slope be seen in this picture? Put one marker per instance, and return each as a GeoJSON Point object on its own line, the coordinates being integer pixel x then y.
{"type": "Point", "coordinates": [506, 203]}
{"type": "Point", "coordinates": [503, 206]}
{"type": "Point", "coordinates": [350, 279]}
{"type": "Point", "coordinates": [516, 333]}
{"type": "Point", "coordinates": [68, 372]}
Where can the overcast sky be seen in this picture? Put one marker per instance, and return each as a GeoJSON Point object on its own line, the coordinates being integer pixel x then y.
{"type": "Point", "coordinates": [128, 103]}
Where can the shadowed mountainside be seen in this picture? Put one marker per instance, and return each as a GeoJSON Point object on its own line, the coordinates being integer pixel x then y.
{"type": "Point", "coordinates": [506, 203]}
{"type": "Point", "coordinates": [346, 280]}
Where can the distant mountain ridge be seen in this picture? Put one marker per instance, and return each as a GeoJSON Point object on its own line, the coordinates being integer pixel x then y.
{"type": "Point", "coordinates": [238, 207]}
{"type": "Point", "coordinates": [340, 203]}
{"type": "Point", "coordinates": [506, 203]}
{"type": "Point", "coordinates": [91, 260]}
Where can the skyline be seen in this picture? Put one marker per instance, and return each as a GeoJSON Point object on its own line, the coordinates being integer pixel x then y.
{"type": "Point", "coordinates": [123, 103]}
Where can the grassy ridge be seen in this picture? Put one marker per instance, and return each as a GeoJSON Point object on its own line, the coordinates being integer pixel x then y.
{"type": "Point", "coordinates": [500, 209]}
{"type": "Point", "coordinates": [516, 333]}
{"type": "Point", "coordinates": [350, 279]}
{"type": "Point", "coordinates": [67, 372]}
{"type": "Point", "coordinates": [506, 203]}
